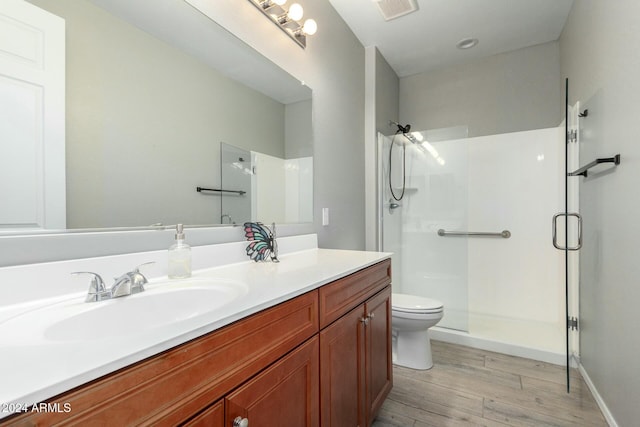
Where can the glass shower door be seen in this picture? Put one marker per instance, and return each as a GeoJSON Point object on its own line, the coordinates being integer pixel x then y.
{"type": "Point", "coordinates": [567, 232]}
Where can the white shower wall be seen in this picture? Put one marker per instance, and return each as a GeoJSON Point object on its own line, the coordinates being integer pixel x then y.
{"type": "Point", "coordinates": [282, 189]}
{"type": "Point", "coordinates": [506, 290]}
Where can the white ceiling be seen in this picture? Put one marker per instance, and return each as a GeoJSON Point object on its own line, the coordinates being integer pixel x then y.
{"type": "Point", "coordinates": [426, 40]}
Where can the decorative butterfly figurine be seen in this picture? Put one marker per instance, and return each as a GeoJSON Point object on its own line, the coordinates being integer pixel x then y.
{"type": "Point", "coordinates": [263, 243]}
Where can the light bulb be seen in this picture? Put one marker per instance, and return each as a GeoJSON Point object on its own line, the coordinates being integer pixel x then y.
{"type": "Point", "coordinates": [310, 27]}
{"type": "Point", "coordinates": [295, 12]}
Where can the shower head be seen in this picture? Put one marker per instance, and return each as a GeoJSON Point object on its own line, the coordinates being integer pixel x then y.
{"type": "Point", "coordinates": [401, 129]}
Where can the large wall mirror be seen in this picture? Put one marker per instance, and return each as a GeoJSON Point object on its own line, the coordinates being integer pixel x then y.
{"type": "Point", "coordinates": [160, 100]}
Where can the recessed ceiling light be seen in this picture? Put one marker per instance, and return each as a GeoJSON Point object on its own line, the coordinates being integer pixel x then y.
{"type": "Point", "coordinates": [467, 43]}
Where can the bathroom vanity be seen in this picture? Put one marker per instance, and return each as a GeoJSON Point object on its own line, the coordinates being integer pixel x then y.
{"type": "Point", "coordinates": [311, 354]}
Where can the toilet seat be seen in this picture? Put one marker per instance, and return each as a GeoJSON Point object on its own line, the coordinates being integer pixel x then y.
{"type": "Point", "coordinates": [414, 304]}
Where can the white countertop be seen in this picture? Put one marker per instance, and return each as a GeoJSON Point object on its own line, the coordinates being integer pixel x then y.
{"type": "Point", "coordinates": [34, 369]}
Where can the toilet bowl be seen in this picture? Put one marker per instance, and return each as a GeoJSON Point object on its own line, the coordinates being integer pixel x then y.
{"type": "Point", "coordinates": [411, 318]}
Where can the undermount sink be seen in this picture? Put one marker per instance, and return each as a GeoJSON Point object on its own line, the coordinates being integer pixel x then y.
{"type": "Point", "coordinates": [161, 305]}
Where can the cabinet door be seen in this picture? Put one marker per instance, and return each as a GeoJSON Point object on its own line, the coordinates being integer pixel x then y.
{"type": "Point", "coordinates": [378, 361]}
{"type": "Point", "coordinates": [211, 417]}
{"type": "Point", "coordinates": [342, 362]}
{"type": "Point", "coordinates": [286, 394]}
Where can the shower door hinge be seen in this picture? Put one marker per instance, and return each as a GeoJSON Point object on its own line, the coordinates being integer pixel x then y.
{"type": "Point", "coordinates": [572, 323]}
{"type": "Point", "coordinates": [572, 135]}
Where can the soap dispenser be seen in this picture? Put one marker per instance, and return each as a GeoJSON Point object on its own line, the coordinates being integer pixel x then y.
{"type": "Point", "coordinates": [179, 256]}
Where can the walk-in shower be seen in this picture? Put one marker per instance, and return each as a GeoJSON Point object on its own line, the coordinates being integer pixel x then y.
{"type": "Point", "coordinates": [472, 229]}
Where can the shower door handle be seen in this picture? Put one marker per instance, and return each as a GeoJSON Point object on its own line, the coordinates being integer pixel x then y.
{"type": "Point", "coordinates": [555, 231]}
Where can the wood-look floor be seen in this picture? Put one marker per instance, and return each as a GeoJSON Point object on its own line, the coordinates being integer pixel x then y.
{"type": "Point", "coordinates": [468, 387]}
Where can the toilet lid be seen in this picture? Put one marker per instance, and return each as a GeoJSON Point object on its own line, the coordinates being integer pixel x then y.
{"type": "Point", "coordinates": [414, 304]}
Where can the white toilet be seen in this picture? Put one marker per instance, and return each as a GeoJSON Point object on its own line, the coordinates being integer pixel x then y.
{"type": "Point", "coordinates": [411, 318]}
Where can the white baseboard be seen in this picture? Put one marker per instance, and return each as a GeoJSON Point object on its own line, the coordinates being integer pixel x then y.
{"type": "Point", "coordinates": [608, 416]}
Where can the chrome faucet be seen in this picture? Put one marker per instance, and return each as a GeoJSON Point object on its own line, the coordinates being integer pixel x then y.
{"type": "Point", "coordinates": [129, 283]}
{"type": "Point", "coordinates": [97, 290]}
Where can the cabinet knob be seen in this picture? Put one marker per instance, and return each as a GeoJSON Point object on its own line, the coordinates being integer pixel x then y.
{"type": "Point", "coordinates": [240, 422]}
{"type": "Point", "coordinates": [364, 320]}
{"type": "Point", "coordinates": [371, 315]}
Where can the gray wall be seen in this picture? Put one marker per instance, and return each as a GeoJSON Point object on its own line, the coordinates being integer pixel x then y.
{"type": "Point", "coordinates": [514, 91]}
{"type": "Point", "coordinates": [382, 105]}
{"type": "Point", "coordinates": [298, 130]}
{"type": "Point", "coordinates": [387, 96]}
{"type": "Point", "coordinates": [333, 66]}
{"type": "Point", "coordinates": [599, 55]}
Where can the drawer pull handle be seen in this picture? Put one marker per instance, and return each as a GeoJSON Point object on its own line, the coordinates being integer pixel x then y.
{"type": "Point", "coordinates": [240, 422]}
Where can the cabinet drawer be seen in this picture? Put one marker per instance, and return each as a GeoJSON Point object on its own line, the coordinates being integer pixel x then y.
{"type": "Point", "coordinates": [169, 388]}
{"type": "Point", "coordinates": [339, 297]}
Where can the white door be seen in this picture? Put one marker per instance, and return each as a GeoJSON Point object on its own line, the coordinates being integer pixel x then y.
{"type": "Point", "coordinates": [32, 118]}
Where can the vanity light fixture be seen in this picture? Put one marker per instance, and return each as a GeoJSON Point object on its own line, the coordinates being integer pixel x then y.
{"type": "Point", "coordinates": [288, 20]}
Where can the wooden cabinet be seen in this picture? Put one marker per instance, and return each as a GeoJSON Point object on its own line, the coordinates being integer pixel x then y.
{"type": "Point", "coordinates": [322, 358]}
{"type": "Point", "coordinates": [286, 394]}
{"type": "Point", "coordinates": [355, 363]}
{"type": "Point", "coordinates": [342, 383]}
{"type": "Point", "coordinates": [210, 417]}
{"type": "Point", "coordinates": [355, 346]}
{"type": "Point", "coordinates": [379, 369]}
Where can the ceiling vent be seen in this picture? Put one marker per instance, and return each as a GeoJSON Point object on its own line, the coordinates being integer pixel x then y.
{"type": "Point", "coordinates": [391, 9]}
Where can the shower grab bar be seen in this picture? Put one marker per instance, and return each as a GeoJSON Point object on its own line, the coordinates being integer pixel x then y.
{"type": "Point", "coordinates": [504, 233]}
